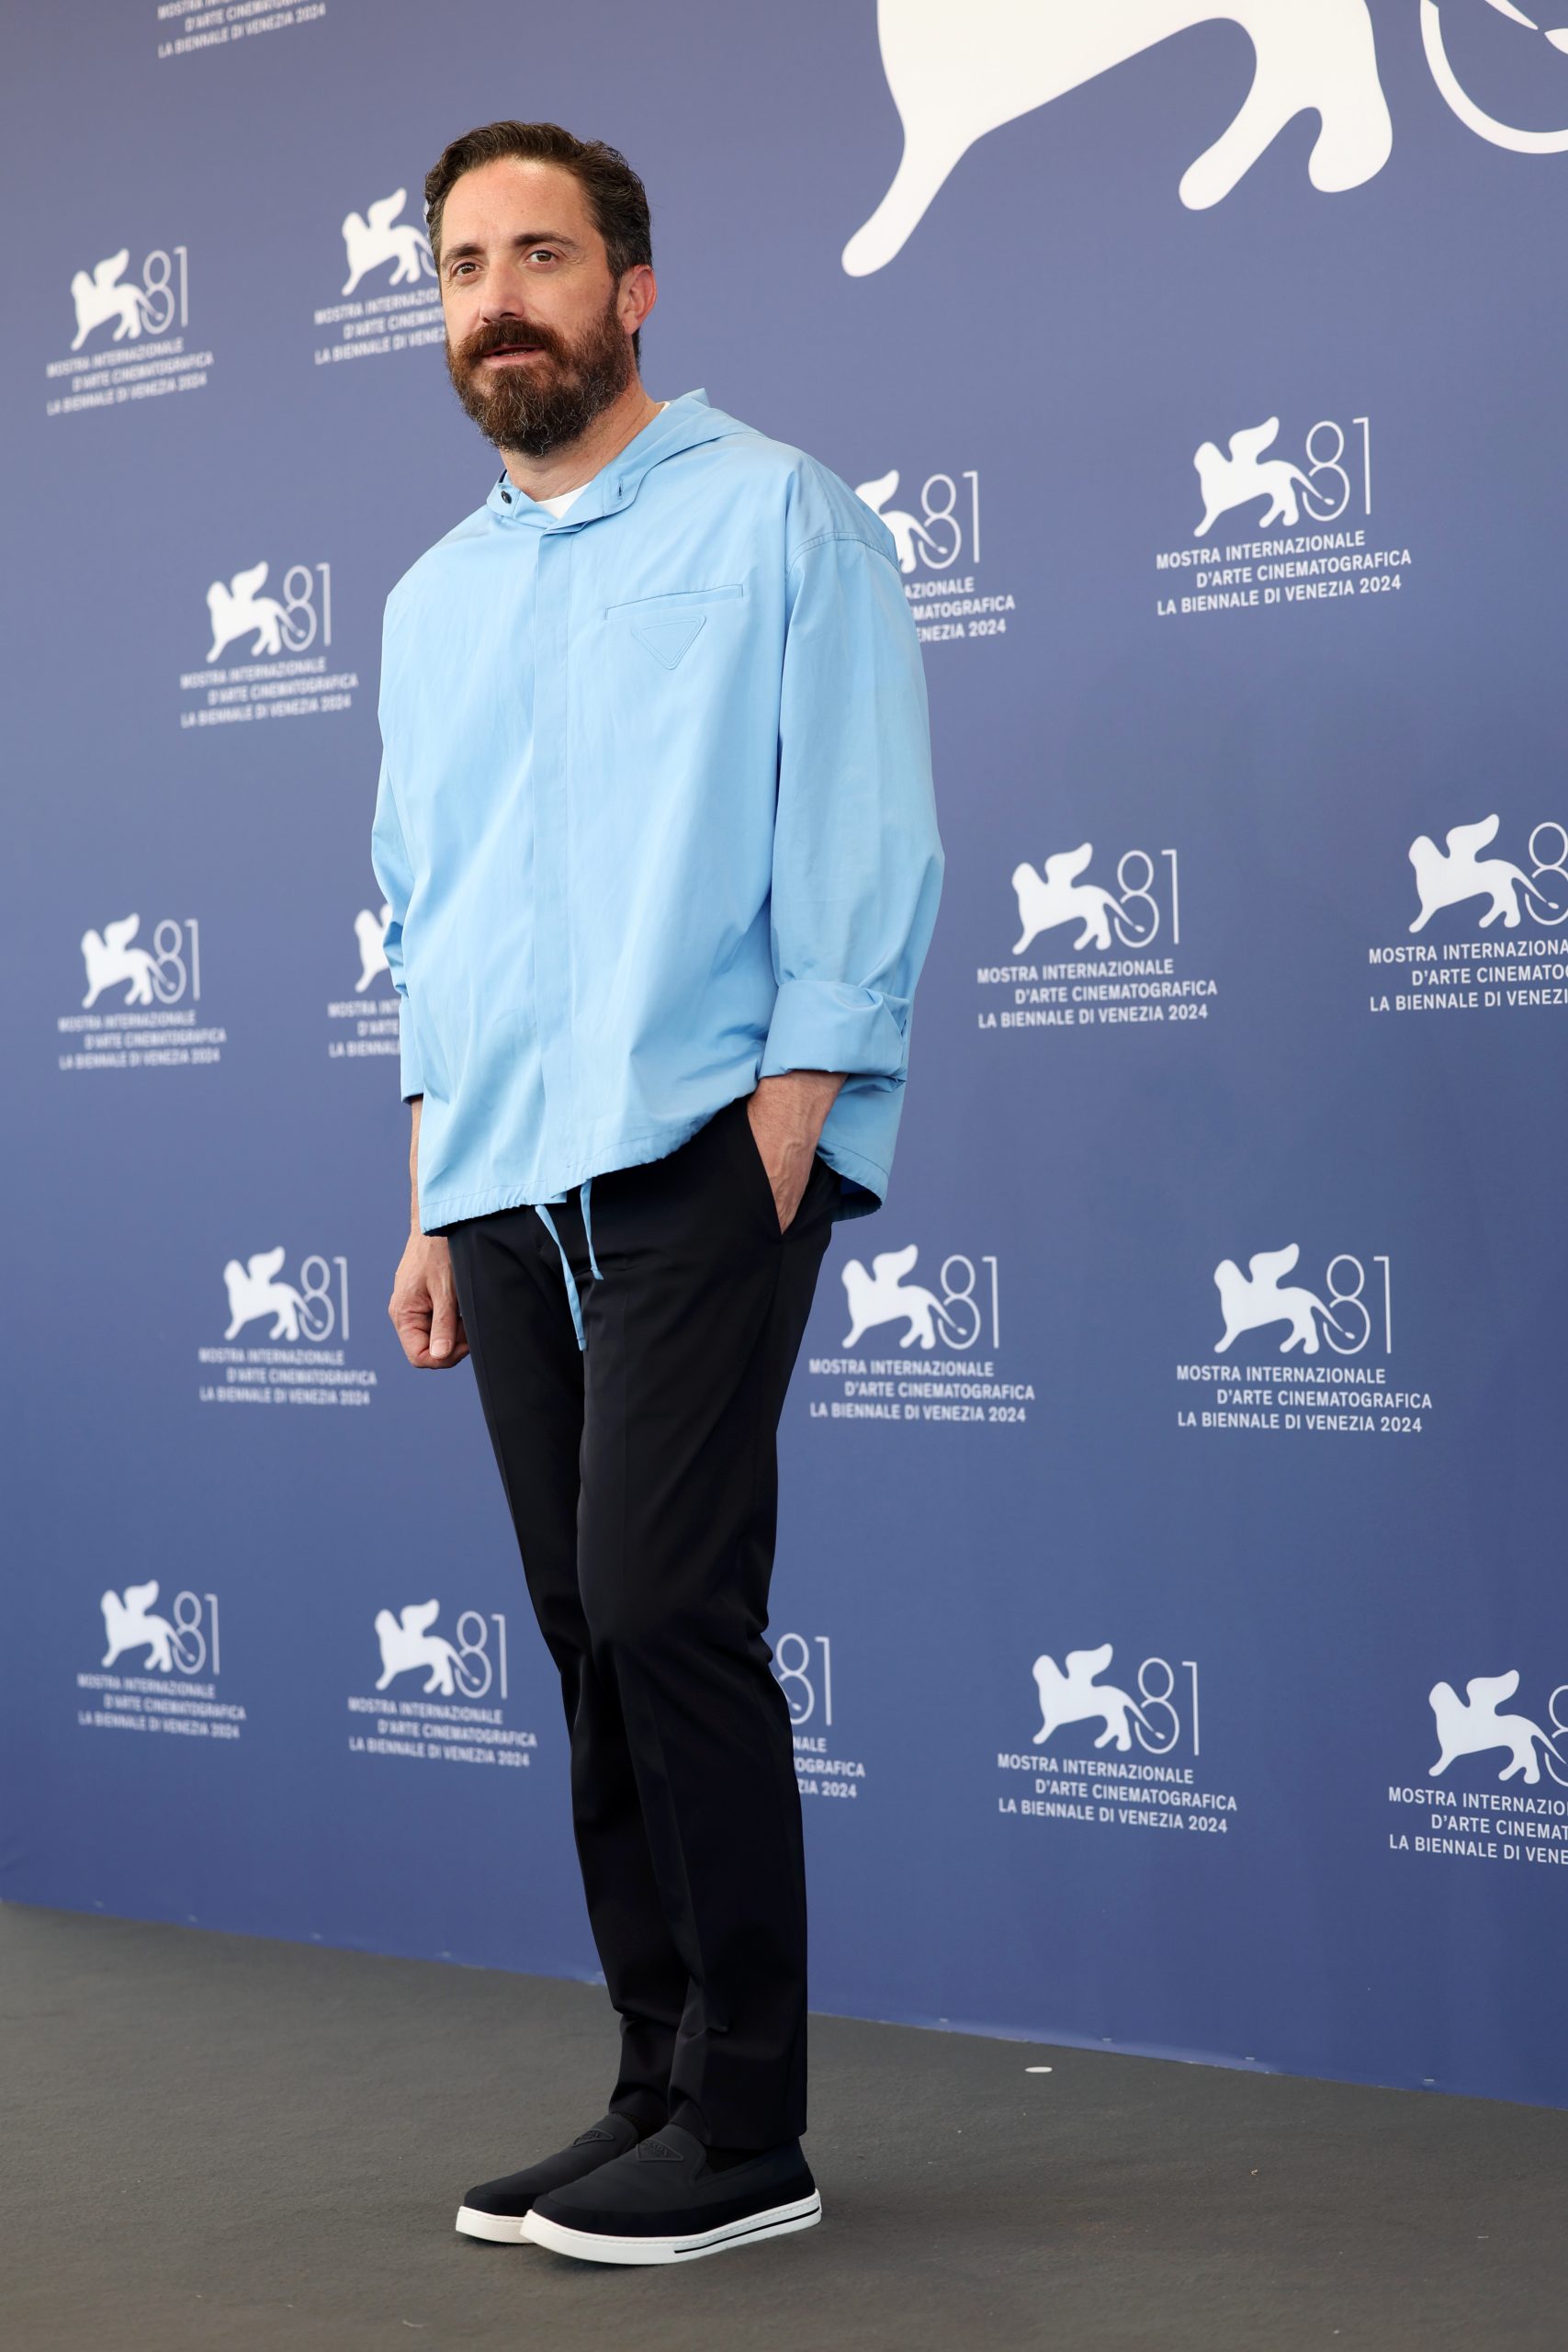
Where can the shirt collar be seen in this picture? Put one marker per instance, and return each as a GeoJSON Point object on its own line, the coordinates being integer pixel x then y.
{"type": "Point", "coordinates": [681, 421]}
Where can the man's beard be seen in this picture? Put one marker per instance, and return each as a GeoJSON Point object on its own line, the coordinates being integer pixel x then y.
{"type": "Point", "coordinates": [537, 406]}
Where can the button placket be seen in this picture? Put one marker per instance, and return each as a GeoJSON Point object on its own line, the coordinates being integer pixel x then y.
{"type": "Point", "coordinates": [551, 798]}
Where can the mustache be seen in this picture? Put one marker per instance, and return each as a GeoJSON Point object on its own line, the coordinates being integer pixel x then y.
{"type": "Point", "coordinates": [509, 334]}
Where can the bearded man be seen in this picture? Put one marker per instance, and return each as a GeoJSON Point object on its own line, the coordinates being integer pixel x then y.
{"type": "Point", "coordinates": [656, 829]}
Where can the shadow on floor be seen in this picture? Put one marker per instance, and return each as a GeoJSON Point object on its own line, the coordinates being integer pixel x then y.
{"type": "Point", "coordinates": [213, 2142]}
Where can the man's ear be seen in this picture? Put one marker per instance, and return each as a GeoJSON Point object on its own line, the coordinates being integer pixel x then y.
{"type": "Point", "coordinates": [638, 294]}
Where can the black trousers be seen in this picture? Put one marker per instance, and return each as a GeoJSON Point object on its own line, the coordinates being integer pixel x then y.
{"type": "Point", "coordinates": [642, 1479]}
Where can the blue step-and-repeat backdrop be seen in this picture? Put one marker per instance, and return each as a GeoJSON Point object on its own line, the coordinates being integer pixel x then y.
{"type": "Point", "coordinates": [1169, 1594]}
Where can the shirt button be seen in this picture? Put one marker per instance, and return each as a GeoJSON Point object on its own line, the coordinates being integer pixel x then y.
{"type": "Point", "coordinates": [506, 498]}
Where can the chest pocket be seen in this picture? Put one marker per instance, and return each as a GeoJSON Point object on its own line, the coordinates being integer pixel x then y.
{"type": "Point", "coordinates": [667, 627]}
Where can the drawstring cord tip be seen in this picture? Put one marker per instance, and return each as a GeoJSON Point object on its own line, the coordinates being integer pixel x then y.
{"type": "Point", "coordinates": [573, 1297]}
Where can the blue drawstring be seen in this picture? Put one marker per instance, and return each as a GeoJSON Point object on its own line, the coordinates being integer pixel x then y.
{"type": "Point", "coordinates": [573, 1299]}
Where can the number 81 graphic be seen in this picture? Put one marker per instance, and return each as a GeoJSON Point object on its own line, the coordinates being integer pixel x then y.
{"type": "Point", "coordinates": [804, 1681]}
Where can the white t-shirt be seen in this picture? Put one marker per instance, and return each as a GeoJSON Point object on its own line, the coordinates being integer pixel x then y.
{"type": "Point", "coordinates": [563, 498]}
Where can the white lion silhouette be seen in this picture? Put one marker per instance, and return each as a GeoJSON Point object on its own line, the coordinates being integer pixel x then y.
{"type": "Point", "coordinates": [956, 74]}
{"type": "Point", "coordinates": [1075, 1698]}
{"type": "Point", "coordinates": [111, 958]}
{"type": "Point", "coordinates": [253, 1291]}
{"type": "Point", "coordinates": [1444, 877]}
{"type": "Point", "coordinates": [370, 930]}
{"type": "Point", "coordinates": [1060, 896]}
{"type": "Point", "coordinates": [1251, 1300]}
{"type": "Point", "coordinates": [236, 610]}
{"type": "Point", "coordinates": [882, 1296]}
{"type": "Point", "coordinates": [101, 296]}
{"type": "Point", "coordinates": [407, 1642]}
{"type": "Point", "coordinates": [1469, 1727]}
{"type": "Point", "coordinates": [371, 239]}
{"type": "Point", "coordinates": [907, 528]}
{"type": "Point", "coordinates": [1243, 475]}
{"type": "Point", "coordinates": [129, 1625]}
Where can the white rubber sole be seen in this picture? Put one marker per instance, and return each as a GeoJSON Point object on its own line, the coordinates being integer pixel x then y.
{"type": "Point", "coordinates": [776, 2223]}
{"type": "Point", "coordinates": [500, 2229]}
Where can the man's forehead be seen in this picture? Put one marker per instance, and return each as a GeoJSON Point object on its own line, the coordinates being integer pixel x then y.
{"type": "Point", "coordinates": [500, 193]}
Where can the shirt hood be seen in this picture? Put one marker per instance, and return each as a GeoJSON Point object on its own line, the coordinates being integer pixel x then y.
{"type": "Point", "coordinates": [686, 422]}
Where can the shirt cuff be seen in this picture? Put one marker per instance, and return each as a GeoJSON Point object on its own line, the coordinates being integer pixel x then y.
{"type": "Point", "coordinates": [413, 1076]}
{"type": "Point", "coordinates": [833, 1026]}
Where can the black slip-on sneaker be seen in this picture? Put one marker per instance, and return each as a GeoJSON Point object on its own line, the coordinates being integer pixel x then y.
{"type": "Point", "coordinates": [663, 2201]}
{"type": "Point", "coordinates": [496, 2208]}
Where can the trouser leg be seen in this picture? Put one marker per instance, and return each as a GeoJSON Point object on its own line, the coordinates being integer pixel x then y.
{"type": "Point", "coordinates": [529, 1375]}
{"type": "Point", "coordinates": [692, 1332]}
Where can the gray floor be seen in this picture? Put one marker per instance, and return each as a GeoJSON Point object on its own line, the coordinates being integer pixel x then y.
{"type": "Point", "coordinates": [214, 2142]}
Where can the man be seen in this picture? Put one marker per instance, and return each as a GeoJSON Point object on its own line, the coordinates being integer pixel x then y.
{"type": "Point", "coordinates": [656, 830]}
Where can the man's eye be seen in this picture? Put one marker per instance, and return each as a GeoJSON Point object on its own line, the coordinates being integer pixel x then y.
{"type": "Point", "coordinates": [549, 252]}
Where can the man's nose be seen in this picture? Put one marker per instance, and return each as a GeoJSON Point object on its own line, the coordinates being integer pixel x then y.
{"type": "Point", "coordinates": [505, 290]}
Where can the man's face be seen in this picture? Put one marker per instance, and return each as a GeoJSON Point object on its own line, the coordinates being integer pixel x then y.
{"type": "Point", "coordinates": [538, 333]}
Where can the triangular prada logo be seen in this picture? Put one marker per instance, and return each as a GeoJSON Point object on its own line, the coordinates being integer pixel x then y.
{"type": "Point", "coordinates": [667, 641]}
{"type": "Point", "coordinates": [659, 2152]}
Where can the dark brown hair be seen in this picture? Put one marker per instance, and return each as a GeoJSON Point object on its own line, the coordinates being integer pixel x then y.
{"type": "Point", "coordinates": [616, 197]}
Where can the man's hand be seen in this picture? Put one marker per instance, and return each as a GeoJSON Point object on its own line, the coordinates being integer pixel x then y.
{"type": "Point", "coordinates": [423, 1306]}
{"type": "Point", "coordinates": [787, 1116]}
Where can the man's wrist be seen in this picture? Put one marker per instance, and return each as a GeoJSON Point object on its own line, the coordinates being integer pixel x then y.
{"type": "Point", "coordinates": [794, 1105]}
{"type": "Point", "coordinates": [416, 1105]}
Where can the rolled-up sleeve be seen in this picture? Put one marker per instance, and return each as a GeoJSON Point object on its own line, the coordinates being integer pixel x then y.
{"type": "Point", "coordinates": [388, 856]}
{"type": "Point", "coordinates": [857, 860]}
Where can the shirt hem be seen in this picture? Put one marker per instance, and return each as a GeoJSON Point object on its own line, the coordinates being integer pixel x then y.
{"type": "Point", "coordinates": [632, 1151]}
{"type": "Point", "coordinates": [637, 1151]}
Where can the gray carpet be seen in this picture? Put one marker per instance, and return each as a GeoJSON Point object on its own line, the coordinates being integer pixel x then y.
{"type": "Point", "coordinates": [211, 2142]}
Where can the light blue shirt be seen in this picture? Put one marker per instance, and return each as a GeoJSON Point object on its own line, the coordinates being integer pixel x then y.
{"type": "Point", "coordinates": [654, 819]}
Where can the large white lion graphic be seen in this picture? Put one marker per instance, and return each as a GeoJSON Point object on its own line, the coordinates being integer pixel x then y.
{"type": "Point", "coordinates": [377, 235]}
{"type": "Point", "coordinates": [956, 72]}
{"type": "Point", "coordinates": [1250, 1302]}
{"type": "Point", "coordinates": [1244, 474]}
{"type": "Point", "coordinates": [910, 536]}
{"type": "Point", "coordinates": [253, 1290]}
{"type": "Point", "coordinates": [1055, 895]}
{"type": "Point", "coordinates": [407, 1643]}
{"type": "Point", "coordinates": [100, 296]}
{"type": "Point", "coordinates": [237, 608]}
{"type": "Point", "coordinates": [110, 957]}
{"type": "Point", "coordinates": [1076, 1697]}
{"type": "Point", "coordinates": [1447, 877]}
{"type": "Point", "coordinates": [1471, 1726]}
{"type": "Point", "coordinates": [370, 930]}
{"type": "Point", "coordinates": [129, 1624]}
{"type": "Point", "coordinates": [884, 1297]}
